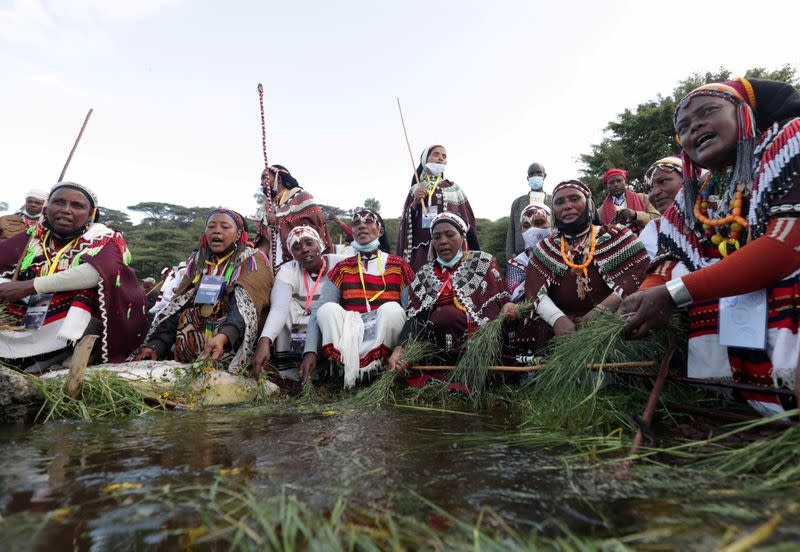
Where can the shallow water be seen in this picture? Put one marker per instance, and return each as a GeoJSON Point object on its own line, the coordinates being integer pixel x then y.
{"type": "Point", "coordinates": [388, 457]}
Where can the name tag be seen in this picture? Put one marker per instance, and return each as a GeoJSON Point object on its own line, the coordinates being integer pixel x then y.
{"type": "Point", "coordinates": [210, 289]}
{"type": "Point", "coordinates": [298, 338]}
{"type": "Point", "coordinates": [369, 319]}
{"type": "Point", "coordinates": [743, 320]}
{"type": "Point", "coordinates": [427, 218]}
{"type": "Point", "coordinates": [36, 311]}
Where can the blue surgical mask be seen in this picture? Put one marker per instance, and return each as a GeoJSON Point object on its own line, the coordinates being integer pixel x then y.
{"type": "Point", "coordinates": [367, 248]}
{"type": "Point", "coordinates": [452, 262]}
{"type": "Point", "coordinates": [536, 182]}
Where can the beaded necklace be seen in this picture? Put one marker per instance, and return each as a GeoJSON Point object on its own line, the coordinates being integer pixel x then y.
{"type": "Point", "coordinates": [715, 200]}
{"type": "Point", "coordinates": [580, 269]}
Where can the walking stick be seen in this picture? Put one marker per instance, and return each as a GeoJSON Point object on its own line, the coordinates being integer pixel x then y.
{"type": "Point", "coordinates": [273, 231]}
{"type": "Point", "coordinates": [408, 144]}
{"type": "Point", "coordinates": [75, 146]}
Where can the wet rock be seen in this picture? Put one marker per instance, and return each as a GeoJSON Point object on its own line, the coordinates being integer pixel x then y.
{"type": "Point", "coordinates": [19, 399]}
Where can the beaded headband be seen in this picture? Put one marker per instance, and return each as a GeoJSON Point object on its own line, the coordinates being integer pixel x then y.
{"type": "Point", "coordinates": [452, 219]}
{"type": "Point", "coordinates": [299, 232]}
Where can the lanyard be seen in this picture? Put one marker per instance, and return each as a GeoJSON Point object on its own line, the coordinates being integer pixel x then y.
{"type": "Point", "coordinates": [433, 189]}
{"type": "Point", "coordinates": [229, 271]}
{"type": "Point", "coordinates": [364, 287]}
{"type": "Point", "coordinates": [282, 198]}
{"type": "Point", "coordinates": [53, 265]}
{"type": "Point", "coordinates": [310, 296]}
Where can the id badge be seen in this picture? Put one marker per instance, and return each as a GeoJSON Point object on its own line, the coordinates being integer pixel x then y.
{"type": "Point", "coordinates": [36, 311]}
{"type": "Point", "coordinates": [743, 320]}
{"type": "Point", "coordinates": [369, 320]}
{"type": "Point", "coordinates": [210, 290]}
{"type": "Point", "coordinates": [298, 338]}
{"type": "Point", "coordinates": [427, 218]}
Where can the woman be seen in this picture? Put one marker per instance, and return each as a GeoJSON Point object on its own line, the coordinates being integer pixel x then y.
{"type": "Point", "coordinates": [733, 234]}
{"type": "Point", "coordinates": [535, 224]}
{"type": "Point", "coordinates": [292, 206]}
{"type": "Point", "coordinates": [430, 195]}
{"type": "Point", "coordinates": [360, 318]}
{"type": "Point", "coordinates": [664, 179]}
{"type": "Point", "coordinates": [453, 295]}
{"type": "Point", "coordinates": [582, 268]}
{"type": "Point", "coordinates": [297, 289]}
{"type": "Point", "coordinates": [74, 272]}
{"type": "Point", "coordinates": [218, 307]}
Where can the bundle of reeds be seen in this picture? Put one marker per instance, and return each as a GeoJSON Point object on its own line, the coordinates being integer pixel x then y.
{"type": "Point", "coordinates": [568, 395]}
{"type": "Point", "coordinates": [483, 349]}
{"type": "Point", "coordinates": [103, 394]}
{"type": "Point", "coordinates": [380, 391]}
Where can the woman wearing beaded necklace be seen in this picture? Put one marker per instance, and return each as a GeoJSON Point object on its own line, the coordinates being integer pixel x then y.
{"type": "Point", "coordinates": [582, 268]}
{"type": "Point", "coordinates": [431, 194]}
{"type": "Point", "coordinates": [221, 302]}
{"type": "Point", "coordinates": [733, 234]}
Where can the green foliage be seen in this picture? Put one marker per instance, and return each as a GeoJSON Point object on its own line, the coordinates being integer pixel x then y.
{"type": "Point", "coordinates": [492, 237]}
{"type": "Point", "coordinates": [640, 136]}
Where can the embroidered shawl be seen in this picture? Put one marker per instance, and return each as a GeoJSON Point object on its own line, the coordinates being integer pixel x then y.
{"type": "Point", "coordinates": [608, 210]}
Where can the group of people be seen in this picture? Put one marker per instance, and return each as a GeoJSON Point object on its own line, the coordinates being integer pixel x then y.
{"type": "Point", "coordinates": [716, 234]}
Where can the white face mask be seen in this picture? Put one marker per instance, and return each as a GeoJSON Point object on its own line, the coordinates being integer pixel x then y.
{"type": "Point", "coordinates": [534, 235]}
{"type": "Point", "coordinates": [536, 182]}
{"type": "Point", "coordinates": [436, 169]}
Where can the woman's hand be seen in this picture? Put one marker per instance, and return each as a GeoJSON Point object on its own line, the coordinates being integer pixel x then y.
{"type": "Point", "coordinates": [563, 326]}
{"type": "Point", "coordinates": [396, 362]}
{"type": "Point", "coordinates": [419, 195]}
{"type": "Point", "coordinates": [262, 356]}
{"type": "Point", "coordinates": [509, 312]}
{"type": "Point", "coordinates": [307, 366]}
{"type": "Point", "coordinates": [214, 347]}
{"type": "Point", "coordinates": [14, 291]}
{"type": "Point", "coordinates": [146, 353]}
{"type": "Point", "coordinates": [651, 309]}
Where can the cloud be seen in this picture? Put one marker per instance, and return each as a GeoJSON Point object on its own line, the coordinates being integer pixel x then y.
{"type": "Point", "coordinates": [68, 88]}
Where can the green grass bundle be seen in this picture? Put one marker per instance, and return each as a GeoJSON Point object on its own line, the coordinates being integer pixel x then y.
{"type": "Point", "coordinates": [307, 394]}
{"type": "Point", "coordinates": [7, 322]}
{"type": "Point", "coordinates": [103, 394]}
{"type": "Point", "coordinates": [380, 391]}
{"type": "Point", "coordinates": [568, 395]}
{"type": "Point", "coordinates": [483, 349]}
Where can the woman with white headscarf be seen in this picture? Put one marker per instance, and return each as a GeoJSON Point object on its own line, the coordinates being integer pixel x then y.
{"type": "Point", "coordinates": [430, 195]}
{"type": "Point", "coordinates": [296, 291]}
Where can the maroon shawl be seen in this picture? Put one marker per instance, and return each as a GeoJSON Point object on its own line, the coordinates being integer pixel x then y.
{"type": "Point", "coordinates": [608, 211]}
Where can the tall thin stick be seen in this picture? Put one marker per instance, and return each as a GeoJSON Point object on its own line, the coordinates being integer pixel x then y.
{"type": "Point", "coordinates": [273, 231]}
{"type": "Point", "coordinates": [408, 144]}
{"type": "Point", "coordinates": [75, 146]}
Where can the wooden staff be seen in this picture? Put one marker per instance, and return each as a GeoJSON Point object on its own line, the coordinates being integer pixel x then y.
{"type": "Point", "coordinates": [273, 231]}
{"type": "Point", "coordinates": [408, 144]}
{"type": "Point", "coordinates": [75, 146]}
{"type": "Point", "coordinates": [538, 367]}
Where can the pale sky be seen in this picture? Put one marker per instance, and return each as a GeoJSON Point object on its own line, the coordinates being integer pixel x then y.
{"type": "Point", "coordinates": [501, 84]}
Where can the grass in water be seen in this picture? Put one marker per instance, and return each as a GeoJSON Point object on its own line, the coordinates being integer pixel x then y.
{"type": "Point", "coordinates": [380, 391]}
{"type": "Point", "coordinates": [483, 349]}
{"type": "Point", "coordinates": [569, 395]}
{"type": "Point", "coordinates": [102, 395]}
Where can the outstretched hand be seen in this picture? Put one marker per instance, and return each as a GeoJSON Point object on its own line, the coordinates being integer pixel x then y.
{"type": "Point", "coordinates": [307, 366]}
{"type": "Point", "coordinates": [262, 356]}
{"type": "Point", "coordinates": [146, 353]}
{"type": "Point", "coordinates": [14, 291]}
{"type": "Point", "coordinates": [650, 309]}
{"type": "Point", "coordinates": [214, 347]}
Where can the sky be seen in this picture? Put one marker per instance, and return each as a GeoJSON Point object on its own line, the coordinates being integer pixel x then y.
{"type": "Point", "coordinates": [501, 84]}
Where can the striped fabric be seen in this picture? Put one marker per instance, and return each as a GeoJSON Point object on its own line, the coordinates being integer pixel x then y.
{"type": "Point", "coordinates": [345, 276]}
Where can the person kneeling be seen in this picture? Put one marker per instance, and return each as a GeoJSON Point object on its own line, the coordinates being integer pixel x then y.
{"type": "Point", "coordinates": [74, 273]}
{"type": "Point", "coordinates": [297, 290]}
{"type": "Point", "coordinates": [216, 310]}
{"type": "Point", "coordinates": [360, 316]}
{"type": "Point", "coordinates": [452, 296]}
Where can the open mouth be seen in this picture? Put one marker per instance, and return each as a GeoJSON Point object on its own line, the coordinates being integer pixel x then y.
{"type": "Point", "coordinates": [217, 241]}
{"type": "Point", "coordinates": [704, 139]}
{"type": "Point", "coordinates": [308, 258]}
{"type": "Point", "coordinates": [63, 220]}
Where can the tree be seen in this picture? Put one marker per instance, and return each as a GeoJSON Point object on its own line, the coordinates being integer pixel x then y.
{"type": "Point", "coordinates": [645, 134]}
{"type": "Point", "coordinates": [117, 220]}
{"type": "Point", "coordinates": [169, 214]}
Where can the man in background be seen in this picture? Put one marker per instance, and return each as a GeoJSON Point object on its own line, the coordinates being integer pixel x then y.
{"type": "Point", "coordinates": [29, 215]}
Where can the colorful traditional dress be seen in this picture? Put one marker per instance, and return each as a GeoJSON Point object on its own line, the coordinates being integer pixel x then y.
{"type": "Point", "coordinates": [360, 317]}
{"type": "Point", "coordinates": [296, 207]}
{"type": "Point", "coordinates": [446, 306]}
{"type": "Point", "coordinates": [414, 238]}
{"type": "Point", "coordinates": [113, 303]}
{"type": "Point", "coordinates": [618, 266]}
{"type": "Point", "coordinates": [295, 294]}
{"type": "Point", "coordinates": [645, 212]}
{"type": "Point", "coordinates": [772, 204]}
{"type": "Point", "coordinates": [184, 327]}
